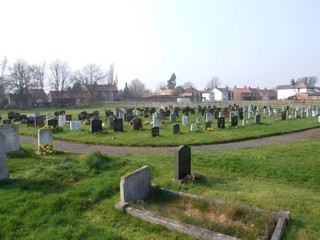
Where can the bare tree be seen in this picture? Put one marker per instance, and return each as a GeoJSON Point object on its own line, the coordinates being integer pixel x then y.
{"type": "Point", "coordinates": [136, 88]}
{"type": "Point", "coordinates": [309, 81]}
{"type": "Point", "coordinates": [178, 90]}
{"type": "Point", "coordinates": [38, 76]}
{"type": "Point", "coordinates": [3, 68]}
{"type": "Point", "coordinates": [20, 80]}
{"type": "Point", "coordinates": [89, 75]}
{"type": "Point", "coordinates": [59, 78]}
{"type": "Point", "coordinates": [213, 83]}
{"type": "Point", "coordinates": [188, 84]}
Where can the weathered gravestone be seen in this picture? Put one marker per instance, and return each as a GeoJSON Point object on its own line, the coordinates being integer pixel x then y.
{"type": "Point", "coordinates": [135, 186]}
{"type": "Point", "coordinates": [118, 125]}
{"type": "Point", "coordinates": [283, 115]}
{"type": "Point", "coordinates": [39, 122]}
{"type": "Point", "coordinates": [68, 117]}
{"type": "Point", "coordinates": [182, 163]}
{"type": "Point", "coordinates": [10, 115]}
{"type": "Point", "coordinates": [176, 128]}
{"type": "Point", "coordinates": [11, 133]}
{"type": "Point", "coordinates": [53, 123]}
{"type": "Point", "coordinates": [6, 121]}
{"type": "Point", "coordinates": [62, 120]}
{"type": "Point", "coordinates": [4, 172]}
{"type": "Point", "coordinates": [137, 124]}
{"type": "Point", "coordinates": [185, 120]}
{"type": "Point", "coordinates": [234, 121]}
{"type": "Point", "coordinates": [75, 125]}
{"type": "Point", "coordinates": [44, 138]}
{"type": "Point", "coordinates": [111, 121]}
{"type": "Point", "coordinates": [257, 119]}
{"type": "Point", "coordinates": [95, 125]}
{"type": "Point", "coordinates": [173, 117]}
{"type": "Point", "coordinates": [155, 132]}
{"type": "Point", "coordinates": [155, 120]}
{"type": "Point", "coordinates": [221, 122]}
{"type": "Point", "coordinates": [193, 127]}
{"type": "Point", "coordinates": [30, 122]}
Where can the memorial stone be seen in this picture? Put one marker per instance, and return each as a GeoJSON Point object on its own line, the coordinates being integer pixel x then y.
{"type": "Point", "coordinates": [44, 137]}
{"type": "Point", "coordinates": [284, 115]}
{"type": "Point", "coordinates": [234, 121]}
{"type": "Point", "coordinates": [221, 122]}
{"type": "Point", "coordinates": [4, 172]}
{"type": "Point", "coordinates": [30, 122]}
{"type": "Point", "coordinates": [155, 120]}
{"type": "Point", "coordinates": [173, 117]}
{"type": "Point", "coordinates": [208, 125]}
{"type": "Point", "coordinates": [209, 117]}
{"type": "Point", "coordinates": [111, 121]}
{"type": "Point", "coordinates": [11, 134]}
{"type": "Point", "coordinates": [176, 128]}
{"type": "Point", "coordinates": [53, 123]}
{"type": "Point", "coordinates": [182, 163]}
{"type": "Point", "coordinates": [185, 120]}
{"type": "Point", "coordinates": [75, 125]}
{"type": "Point", "coordinates": [257, 119]}
{"type": "Point", "coordinates": [95, 125]}
{"type": "Point", "coordinates": [118, 125]}
{"type": "Point", "coordinates": [6, 121]}
{"type": "Point", "coordinates": [68, 117]}
{"type": "Point", "coordinates": [155, 132]}
{"type": "Point", "coordinates": [137, 124]}
{"type": "Point", "coordinates": [62, 120]}
{"type": "Point", "coordinates": [39, 122]}
{"type": "Point", "coordinates": [193, 127]}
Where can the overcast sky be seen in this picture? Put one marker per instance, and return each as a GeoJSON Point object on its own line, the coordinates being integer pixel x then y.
{"type": "Point", "coordinates": [258, 43]}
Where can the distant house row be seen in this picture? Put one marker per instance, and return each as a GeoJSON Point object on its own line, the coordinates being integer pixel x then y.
{"type": "Point", "coordinates": [109, 93]}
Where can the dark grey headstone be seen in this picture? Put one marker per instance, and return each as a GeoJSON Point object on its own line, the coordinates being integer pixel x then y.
{"type": "Point", "coordinates": [155, 132]}
{"type": "Point", "coordinates": [234, 121]}
{"type": "Point", "coordinates": [30, 122]}
{"type": "Point", "coordinates": [111, 121]}
{"type": "Point", "coordinates": [39, 122]}
{"type": "Point", "coordinates": [118, 125]}
{"type": "Point", "coordinates": [6, 121]}
{"type": "Point", "coordinates": [53, 123]}
{"type": "Point", "coordinates": [176, 128]}
{"type": "Point", "coordinates": [96, 125]}
{"type": "Point", "coordinates": [221, 122]}
{"type": "Point", "coordinates": [182, 162]}
{"type": "Point", "coordinates": [284, 115]}
{"type": "Point", "coordinates": [68, 117]}
{"type": "Point", "coordinates": [257, 119]}
{"type": "Point", "coordinates": [208, 125]}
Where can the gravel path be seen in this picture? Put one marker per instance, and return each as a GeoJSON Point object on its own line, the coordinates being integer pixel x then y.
{"type": "Point", "coordinates": [85, 148]}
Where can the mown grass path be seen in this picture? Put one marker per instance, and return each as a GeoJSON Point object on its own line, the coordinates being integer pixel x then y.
{"type": "Point", "coordinates": [86, 148]}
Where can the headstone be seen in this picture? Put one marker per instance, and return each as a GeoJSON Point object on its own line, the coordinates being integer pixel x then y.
{"type": "Point", "coordinates": [208, 125]}
{"type": "Point", "coordinates": [11, 115]}
{"type": "Point", "coordinates": [39, 122]}
{"type": "Point", "coordinates": [118, 125]}
{"type": "Point", "coordinates": [240, 112]}
{"type": "Point", "coordinates": [193, 127]}
{"type": "Point", "coordinates": [221, 114]}
{"type": "Point", "coordinates": [53, 123]}
{"type": "Point", "coordinates": [6, 121]}
{"type": "Point", "coordinates": [244, 122]}
{"type": "Point", "coordinates": [249, 115]}
{"type": "Point", "coordinates": [182, 163]}
{"type": "Point", "coordinates": [4, 172]}
{"type": "Point", "coordinates": [68, 117]}
{"type": "Point", "coordinates": [257, 119]}
{"type": "Point", "coordinates": [95, 125]}
{"type": "Point", "coordinates": [129, 117]}
{"type": "Point", "coordinates": [48, 118]}
{"type": "Point", "coordinates": [108, 113]}
{"type": "Point", "coordinates": [155, 132]}
{"type": "Point", "coordinates": [138, 112]}
{"type": "Point", "coordinates": [44, 137]}
{"type": "Point", "coordinates": [275, 111]}
{"type": "Point", "coordinates": [30, 122]}
{"type": "Point", "coordinates": [23, 119]}
{"type": "Point", "coordinates": [283, 115]}
{"type": "Point", "coordinates": [111, 121]}
{"type": "Point", "coordinates": [137, 124]}
{"type": "Point", "coordinates": [75, 125]}
{"type": "Point", "coordinates": [185, 120]}
{"type": "Point", "coordinates": [173, 117]}
{"type": "Point", "coordinates": [121, 114]}
{"type": "Point", "coordinates": [221, 122]}
{"type": "Point", "coordinates": [136, 186]}
{"type": "Point", "coordinates": [82, 116]}
{"type": "Point", "coordinates": [11, 133]}
{"type": "Point", "coordinates": [198, 121]}
{"type": "Point", "coordinates": [176, 128]}
{"type": "Point", "coordinates": [209, 117]}
{"type": "Point", "coordinates": [234, 121]}
{"type": "Point", "coordinates": [155, 120]}
{"type": "Point", "coordinates": [62, 120]}
{"type": "Point", "coordinates": [17, 117]}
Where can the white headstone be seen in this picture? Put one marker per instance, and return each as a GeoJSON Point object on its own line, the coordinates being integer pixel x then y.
{"type": "Point", "coordinates": [244, 122]}
{"type": "Point", "coordinates": [75, 125]}
{"type": "Point", "coordinates": [62, 120]}
{"type": "Point", "coordinates": [193, 127]}
{"type": "Point", "coordinates": [4, 172]}
{"type": "Point", "coordinates": [155, 120]}
{"type": "Point", "coordinates": [44, 137]}
{"type": "Point", "coordinates": [121, 114]}
{"type": "Point", "coordinates": [209, 117]}
{"type": "Point", "coordinates": [137, 112]}
{"type": "Point", "coordinates": [11, 133]}
{"type": "Point", "coordinates": [185, 120]}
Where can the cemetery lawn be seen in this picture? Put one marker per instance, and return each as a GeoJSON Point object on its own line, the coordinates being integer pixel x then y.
{"type": "Point", "coordinates": [72, 196]}
{"type": "Point", "coordinates": [129, 137]}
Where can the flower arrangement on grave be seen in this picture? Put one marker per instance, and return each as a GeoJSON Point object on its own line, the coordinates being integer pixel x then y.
{"type": "Point", "coordinates": [46, 149]}
{"type": "Point", "coordinates": [55, 129]}
{"type": "Point", "coordinates": [210, 129]}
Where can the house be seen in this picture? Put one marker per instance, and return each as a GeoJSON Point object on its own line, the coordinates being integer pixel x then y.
{"type": "Point", "coordinates": [193, 94]}
{"type": "Point", "coordinates": [38, 97]}
{"type": "Point", "coordinates": [33, 98]}
{"type": "Point", "coordinates": [268, 94]}
{"type": "Point", "coordinates": [69, 98]}
{"type": "Point", "coordinates": [103, 93]}
{"type": "Point", "coordinates": [223, 94]}
{"type": "Point", "coordinates": [307, 96]}
{"type": "Point", "coordinates": [208, 96]}
{"type": "Point", "coordinates": [289, 91]}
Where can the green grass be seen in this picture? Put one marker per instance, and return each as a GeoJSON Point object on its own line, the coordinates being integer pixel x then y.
{"type": "Point", "coordinates": [71, 196]}
{"type": "Point", "coordinates": [268, 127]}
